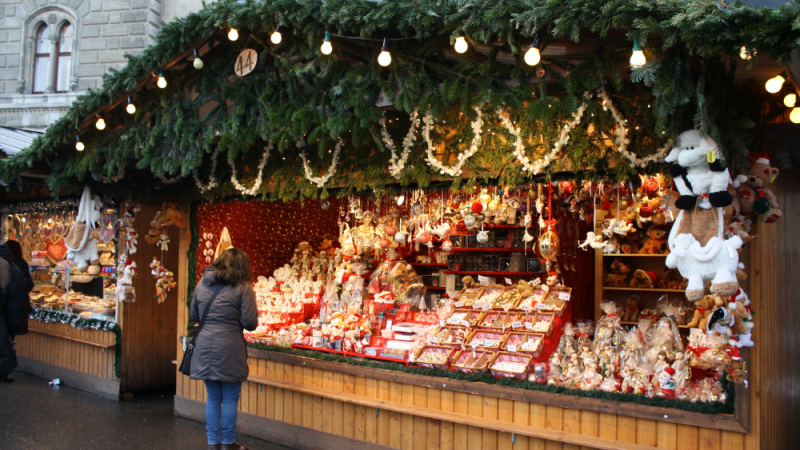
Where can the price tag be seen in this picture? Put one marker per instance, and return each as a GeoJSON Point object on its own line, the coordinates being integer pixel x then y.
{"type": "Point", "coordinates": [487, 307]}
{"type": "Point", "coordinates": [474, 345]}
{"type": "Point", "coordinates": [488, 342]}
{"type": "Point", "coordinates": [458, 304]}
{"type": "Point", "coordinates": [483, 280]}
{"type": "Point", "coordinates": [441, 322]}
{"type": "Point", "coordinates": [434, 339]}
{"type": "Point", "coordinates": [536, 282]}
{"type": "Point", "coordinates": [465, 323]}
{"type": "Point", "coordinates": [529, 325]}
{"type": "Point", "coordinates": [477, 305]}
{"type": "Point", "coordinates": [541, 306]}
{"type": "Point", "coordinates": [526, 307]}
{"type": "Point", "coordinates": [512, 348]}
{"type": "Point", "coordinates": [508, 281]}
{"type": "Point", "coordinates": [516, 324]}
{"type": "Point", "coordinates": [564, 295]}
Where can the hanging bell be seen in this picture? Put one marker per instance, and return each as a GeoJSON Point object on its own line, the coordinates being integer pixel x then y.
{"type": "Point", "coordinates": [548, 245]}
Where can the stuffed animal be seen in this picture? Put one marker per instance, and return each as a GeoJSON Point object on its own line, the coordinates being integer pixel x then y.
{"type": "Point", "coordinates": [740, 226]}
{"type": "Point", "coordinates": [81, 241]}
{"type": "Point", "coordinates": [124, 290]}
{"type": "Point", "coordinates": [672, 279]}
{"type": "Point", "coordinates": [755, 197]}
{"type": "Point", "coordinates": [642, 279]}
{"type": "Point", "coordinates": [736, 372]}
{"type": "Point", "coordinates": [705, 307]}
{"type": "Point", "coordinates": [655, 244]}
{"type": "Point", "coordinates": [525, 289]}
{"type": "Point", "coordinates": [168, 216]}
{"type": "Point", "coordinates": [619, 274]}
{"type": "Point", "coordinates": [698, 172]}
{"type": "Point", "coordinates": [632, 309]}
{"type": "Point", "coordinates": [468, 282]}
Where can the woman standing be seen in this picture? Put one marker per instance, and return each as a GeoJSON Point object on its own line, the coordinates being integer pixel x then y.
{"type": "Point", "coordinates": [220, 353]}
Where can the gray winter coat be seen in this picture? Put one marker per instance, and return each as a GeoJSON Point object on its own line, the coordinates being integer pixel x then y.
{"type": "Point", "coordinates": [220, 353]}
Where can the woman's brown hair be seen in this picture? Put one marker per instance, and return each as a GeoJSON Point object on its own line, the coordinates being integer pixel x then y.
{"type": "Point", "coordinates": [232, 266]}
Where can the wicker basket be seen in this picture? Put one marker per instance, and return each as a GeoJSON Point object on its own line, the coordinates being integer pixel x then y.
{"type": "Point", "coordinates": [517, 338]}
{"type": "Point", "coordinates": [498, 319]}
{"type": "Point", "coordinates": [468, 296]}
{"type": "Point", "coordinates": [479, 337]}
{"type": "Point", "coordinates": [513, 298]}
{"type": "Point", "coordinates": [511, 357]}
{"type": "Point", "coordinates": [472, 316]}
{"type": "Point", "coordinates": [549, 317]}
{"type": "Point", "coordinates": [463, 361]}
{"type": "Point", "coordinates": [531, 301]}
{"type": "Point", "coordinates": [447, 351]}
{"type": "Point", "coordinates": [450, 332]}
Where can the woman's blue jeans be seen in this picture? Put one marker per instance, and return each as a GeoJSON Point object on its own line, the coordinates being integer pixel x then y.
{"type": "Point", "coordinates": [221, 406]}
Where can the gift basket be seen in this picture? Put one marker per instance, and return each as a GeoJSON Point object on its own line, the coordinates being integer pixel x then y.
{"type": "Point", "coordinates": [510, 365]}
{"type": "Point", "coordinates": [433, 356]}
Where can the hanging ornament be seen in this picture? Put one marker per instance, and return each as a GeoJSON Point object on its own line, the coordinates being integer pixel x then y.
{"type": "Point", "coordinates": [650, 186]}
{"type": "Point", "coordinates": [447, 246]}
{"type": "Point", "coordinates": [469, 221]}
{"type": "Point", "coordinates": [477, 207]}
{"type": "Point", "coordinates": [659, 218]}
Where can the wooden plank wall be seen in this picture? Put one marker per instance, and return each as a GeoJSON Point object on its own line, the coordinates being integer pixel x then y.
{"type": "Point", "coordinates": [149, 329]}
{"type": "Point", "coordinates": [77, 356]}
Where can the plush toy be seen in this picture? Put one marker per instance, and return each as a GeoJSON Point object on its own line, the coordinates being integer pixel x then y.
{"type": "Point", "coordinates": [736, 372]}
{"type": "Point", "coordinates": [655, 244]}
{"type": "Point", "coordinates": [667, 383]}
{"type": "Point", "coordinates": [698, 172]}
{"type": "Point", "coordinates": [124, 290]}
{"type": "Point", "coordinates": [168, 216]}
{"type": "Point", "coordinates": [619, 274]}
{"type": "Point", "coordinates": [632, 309]}
{"type": "Point", "coordinates": [468, 282]}
{"type": "Point", "coordinates": [81, 241]}
{"type": "Point", "coordinates": [642, 279]}
{"type": "Point", "coordinates": [672, 279]}
{"type": "Point", "coordinates": [525, 288]}
{"type": "Point", "coordinates": [705, 307]}
{"type": "Point", "coordinates": [755, 197]}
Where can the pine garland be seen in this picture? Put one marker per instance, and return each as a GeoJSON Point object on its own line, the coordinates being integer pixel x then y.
{"type": "Point", "coordinates": [81, 323]}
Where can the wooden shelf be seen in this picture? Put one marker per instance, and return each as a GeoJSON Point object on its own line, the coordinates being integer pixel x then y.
{"type": "Point", "coordinates": [70, 338]}
{"type": "Point", "coordinates": [640, 289]}
{"type": "Point", "coordinates": [479, 272]}
{"type": "Point", "coordinates": [478, 249]}
{"type": "Point", "coordinates": [628, 255]}
{"type": "Point", "coordinates": [628, 322]}
{"type": "Point", "coordinates": [428, 265]}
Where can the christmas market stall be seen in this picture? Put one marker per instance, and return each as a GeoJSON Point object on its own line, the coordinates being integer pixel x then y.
{"type": "Point", "coordinates": [478, 225]}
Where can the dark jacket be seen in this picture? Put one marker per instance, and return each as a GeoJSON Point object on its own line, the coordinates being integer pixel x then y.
{"type": "Point", "coordinates": [220, 353]}
{"type": "Point", "coordinates": [6, 351]}
{"type": "Point", "coordinates": [18, 301]}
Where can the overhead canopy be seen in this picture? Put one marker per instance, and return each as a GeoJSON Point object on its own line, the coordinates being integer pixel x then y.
{"type": "Point", "coordinates": [581, 111]}
{"type": "Point", "coordinates": [14, 140]}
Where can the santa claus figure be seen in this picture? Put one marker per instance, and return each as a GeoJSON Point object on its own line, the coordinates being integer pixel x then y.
{"type": "Point", "coordinates": [667, 383]}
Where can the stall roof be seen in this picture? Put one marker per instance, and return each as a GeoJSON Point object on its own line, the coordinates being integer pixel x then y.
{"type": "Point", "coordinates": [14, 140]}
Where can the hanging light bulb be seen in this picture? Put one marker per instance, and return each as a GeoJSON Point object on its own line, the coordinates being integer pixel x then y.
{"type": "Point", "coordinates": [162, 82]}
{"type": "Point", "coordinates": [533, 56]}
{"type": "Point", "coordinates": [100, 124]}
{"type": "Point", "coordinates": [197, 63]}
{"type": "Point", "coordinates": [637, 58]}
{"type": "Point", "coordinates": [131, 108]}
{"type": "Point", "coordinates": [385, 58]}
{"type": "Point", "coordinates": [78, 144]}
{"type": "Point", "coordinates": [327, 47]}
{"type": "Point", "coordinates": [461, 45]}
{"type": "Point", "coordinates": [276, 37]}
{"type": "Point", "coordinates": [233, 34]}
{"type": "Point", "coordinates": [790, 100]}
{"type": "Point", "coordinates": [774, 85]}
{"type": "Point", "coordinates": [794, 116]}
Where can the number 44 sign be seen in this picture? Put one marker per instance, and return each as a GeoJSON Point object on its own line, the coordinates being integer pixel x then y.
{"type": "Point", "coordinates": [246, 62]}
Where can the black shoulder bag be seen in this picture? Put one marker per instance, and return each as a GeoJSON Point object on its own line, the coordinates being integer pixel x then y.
{"type": "Point", "coordinates": [186, 364]}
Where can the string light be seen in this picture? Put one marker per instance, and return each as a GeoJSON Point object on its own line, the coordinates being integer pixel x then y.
{"type": "Point", "coordinates": [78, 144]}
{"type": "Point", "coordinates": [637, 58]}
{"type": "Point", "coordinates": [790, 100]}
{"type": "Point", "coordinates": [131, 108]}
{"type": "Point", "coordinates": [162, 82]}
{"type": "Point", "coordinates": [461, 45]}
{"type": "Point", "coordinates": [276, 37]}
{"type": "Point", "coordinates": [533, 56]}
{"type": "Point", "coordinates": [197, 63]}
{"type": "Point", "coordinates": [100, 124]}
{"type": "Point", "coordinates": [233, 34]}
{"type": "Point", "coordinates": [385, 58]}
{"type": "Point", "coordinates": [794, 116]}
{"type": "Point", "coordinates": [327, 47]}
{"type": "Point", "coordinates": [774, 85]}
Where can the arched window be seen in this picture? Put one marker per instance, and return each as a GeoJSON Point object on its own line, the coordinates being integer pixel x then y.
{"type": "Point", "coordinates": [41, 62]}
{"type": "Point", "coordinates": [64, 57]}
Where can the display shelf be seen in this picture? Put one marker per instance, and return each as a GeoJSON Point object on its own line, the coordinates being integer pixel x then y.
{"type": "Point", "coordinates": [633, 255]}
{"type": "Point", "coordinates": [428, 265]}
{"type": "Point", "coordinates": [479, 249]}
{"type": "Point", "coordinates": [481, 272]}
{"type": "Point", "coordinates": [640, 289]}
{"type": "Point", "coordinates": [628, 322]}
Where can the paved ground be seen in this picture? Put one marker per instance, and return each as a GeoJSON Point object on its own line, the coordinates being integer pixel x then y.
{"type": "Point", "coordinates": [36, 416]}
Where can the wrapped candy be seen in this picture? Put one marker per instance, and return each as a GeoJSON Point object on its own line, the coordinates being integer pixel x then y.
{"type": "Point", "coordinates": [664, 336]}
{"type": "Point", "coordinates": [608, 329]}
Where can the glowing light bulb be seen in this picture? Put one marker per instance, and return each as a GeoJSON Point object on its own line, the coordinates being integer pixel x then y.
{"type": "Point", "coordinates": [774, 85]}
{"type": "Point", "coordinates": [162, 82]}
{"type": "Point", "coordinates": [794, 116]}
{"type": "Point", "coordinates": [637, 58]}
{"type": "Point", "coordinates": [790, 100]}
{"type": "Point", "coordinates": [79, 145]}
{"type": "Point", "coordinates": [461, 45]}
{"type": "Point", "coordinates": [385, 58]}
{"type": "Point", "coordinates": [233, 34]}
{"type": "Point", "coordinates": [533, 56]}
{"type": "Point", "coordinates": [197, 63]}
{"type": "Point", "coordinates": [131, 108]}
{"type": "Point", "coordinates": [327, 47]}
{"type": "Point", "coordinates": [100, 124]}
{"type": "Point", "coordinates": [276, 37]}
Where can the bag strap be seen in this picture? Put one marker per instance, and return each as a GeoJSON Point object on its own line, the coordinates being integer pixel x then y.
{"type": "Point", "coordinates": [216, 289]}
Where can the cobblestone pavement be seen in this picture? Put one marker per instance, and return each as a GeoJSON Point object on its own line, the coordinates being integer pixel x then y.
{"type": "Point", "coordinates": [36, 416]}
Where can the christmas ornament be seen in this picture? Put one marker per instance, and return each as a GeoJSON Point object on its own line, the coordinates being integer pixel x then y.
{"type": "Point", "coordinates": [476, 207]}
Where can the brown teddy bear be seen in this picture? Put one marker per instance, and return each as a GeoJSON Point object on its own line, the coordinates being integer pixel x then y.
{"type": "Point", "coordinates": [642, 279]}
{"type": "Point", "coordinates": [754, 194]}
{"type": "Point", "coordinates": [632, 309]}
{"type": "Point", "coordinates": [168, 216]}
{"type": "Point", "coordinates": [619, 274]}
{"type": "Point", "coordinates": [672, 279]}
{"type": "Point", "coordinates": [704, 308]}
{"type": "Point", "coordinates": [655, 244]}
{"type": "Point", "coordinates": [735, 369]}
{"type": "Point", "coordinates": [468, 282]}
{"type": "Point", "coordinates": [525, 288]}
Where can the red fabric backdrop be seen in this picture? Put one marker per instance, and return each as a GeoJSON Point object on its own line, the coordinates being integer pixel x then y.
{"type": "Point", "coordinates": [267, 231]}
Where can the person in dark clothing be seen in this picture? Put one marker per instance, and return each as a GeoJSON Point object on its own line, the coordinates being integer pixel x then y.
{"type": "Point", "coordinates": [15, 307]}
{"type": "Point", "coordinates": [7, 357]}
{"type": "Point", "coordinates": [220, 351]}
{"type": "Point", "coordinates": [18, 260]}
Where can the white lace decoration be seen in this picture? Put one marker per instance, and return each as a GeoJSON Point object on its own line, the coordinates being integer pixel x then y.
{"type": "Point", "coordinates": [259, 178]}
{"type": "Point", "coordinates": [563, 137]}
{"type": "Point", "coordinates": [453, 171]}
{"type": "Point", "coordinates": [397, 164]}
{"type": "Point", "coordinates": [212, 180]}
{"type": "Point", "coordinates": [320, 181]}
{"type": "Point", "coordinates": [622, 140]}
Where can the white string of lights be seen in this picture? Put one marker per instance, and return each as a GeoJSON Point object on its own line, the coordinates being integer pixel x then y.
{"type": "Point", "coordinates": [320, 181]}
{"type": "Point", "coordinates": [259, 178]}
{"type": "Point", "coordinates": [212, 180]}
{"type": "Point", "coordinates": [398, 163]}
{"type": "Point", "coordinates": [455, 170]}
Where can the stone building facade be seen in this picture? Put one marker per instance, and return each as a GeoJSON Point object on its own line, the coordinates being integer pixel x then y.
{"type": "Point", "coordinates": [53, 50]}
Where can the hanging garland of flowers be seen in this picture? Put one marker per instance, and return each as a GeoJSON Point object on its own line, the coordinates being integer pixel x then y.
{"type": "Point", "coordinates": [397, 164]}
{"type": "Point", "coordinates": [252, 191]}
{"type": "Point", "coordinates": [453, 171]}
{"type": "Point", "coordinates": [320, 181]}
{"type": "Point", "coordinates": [212, 180]}
{"type": "Point", "coordinates": [519, 146]}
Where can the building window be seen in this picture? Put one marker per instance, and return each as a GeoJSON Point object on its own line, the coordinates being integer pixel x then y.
{"type": "Point", "coordinates": [41, 64]}
{"type": "Point", "coordinates": [64, 57]}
